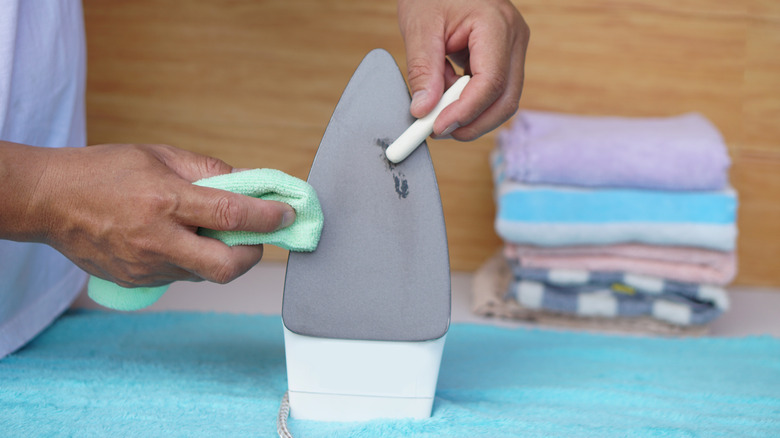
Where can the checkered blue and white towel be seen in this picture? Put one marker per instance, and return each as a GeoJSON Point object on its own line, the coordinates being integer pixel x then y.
{"type": "Point", "coordinates": [614, 294]}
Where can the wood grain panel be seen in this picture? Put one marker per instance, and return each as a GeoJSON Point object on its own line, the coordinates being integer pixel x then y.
{"type": "Point", "coordinates": [255, 82]}
{"type": "Point", "coordinates": [624, 59]}
{"type": "Point", "coordinates": [758, 175]}
{"type": "Point", "coordinates": [761, 110]}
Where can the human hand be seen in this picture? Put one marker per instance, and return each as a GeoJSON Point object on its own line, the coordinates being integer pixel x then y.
{"type": "Point", "coordinates": [129, 214]}
{"type": "Point", "coordinates": [488, 38]}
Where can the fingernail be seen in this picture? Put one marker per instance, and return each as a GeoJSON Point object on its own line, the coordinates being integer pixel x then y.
{"type": "Point", "coordinates": [418, 98]}
{"type": "Point", "coordinates": [449, 129]}
{"type": "Point", "coordinates": [287, 219]}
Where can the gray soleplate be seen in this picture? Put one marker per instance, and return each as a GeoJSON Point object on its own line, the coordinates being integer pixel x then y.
{"type": "Point", "coordinates": [381, 270]}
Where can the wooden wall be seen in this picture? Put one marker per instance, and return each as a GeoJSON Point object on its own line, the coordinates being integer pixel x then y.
{"type": "Point", "coordinates": [255, 82]}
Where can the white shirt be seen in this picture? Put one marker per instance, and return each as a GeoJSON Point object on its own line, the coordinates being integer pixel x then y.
{"type": "Point", "coordinates": [42, 82]}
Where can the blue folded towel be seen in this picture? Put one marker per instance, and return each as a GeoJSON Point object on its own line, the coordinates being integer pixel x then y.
{"type": "Point", "coordinates": [566, 215]}
{"type": "Point", "coordinates": [197, 374]}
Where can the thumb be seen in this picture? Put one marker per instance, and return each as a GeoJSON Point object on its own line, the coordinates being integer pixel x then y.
{"type": "Point", "coordinates": [425, 59]}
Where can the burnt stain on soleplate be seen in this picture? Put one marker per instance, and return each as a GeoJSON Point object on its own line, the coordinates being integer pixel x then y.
{"type": "Point", "coordinates": [399, 179]}
{"type": "Point", "coordinates": [401, 187]}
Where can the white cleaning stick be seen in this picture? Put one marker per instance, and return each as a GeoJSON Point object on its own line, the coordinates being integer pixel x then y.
{"type": "Point", "coordinates": [423, 127]}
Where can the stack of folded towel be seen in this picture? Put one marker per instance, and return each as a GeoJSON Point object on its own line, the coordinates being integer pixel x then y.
{"type": "Point", "coordinates": [616, 217]}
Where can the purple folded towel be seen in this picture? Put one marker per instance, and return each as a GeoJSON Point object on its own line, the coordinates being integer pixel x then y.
{"type": "Point", "coordinates": [684, 152]}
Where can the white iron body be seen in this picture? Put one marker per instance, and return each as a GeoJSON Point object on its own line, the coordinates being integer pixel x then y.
{"type": "Point", "coordinates": [356, 380]}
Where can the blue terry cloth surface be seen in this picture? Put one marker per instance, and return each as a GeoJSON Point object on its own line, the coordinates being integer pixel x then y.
{"type": "Point", "coordinates": [197, 374]}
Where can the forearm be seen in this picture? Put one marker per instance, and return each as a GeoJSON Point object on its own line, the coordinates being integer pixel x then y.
{"type": "Point", "coordinates": [22, 171]}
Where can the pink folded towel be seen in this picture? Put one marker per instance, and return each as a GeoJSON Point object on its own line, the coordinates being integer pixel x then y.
{"type": "Point", "coordinates": [691, 265]}
{"type": "Point", "coordinates": [684, 152]}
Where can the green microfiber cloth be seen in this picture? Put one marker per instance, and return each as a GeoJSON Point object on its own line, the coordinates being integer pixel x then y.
{"type": "Point", "coordinates": [269, 184]}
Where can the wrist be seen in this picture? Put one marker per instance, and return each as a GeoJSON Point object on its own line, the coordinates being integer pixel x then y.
{"type": "Point", "coordinates": [24, 201]}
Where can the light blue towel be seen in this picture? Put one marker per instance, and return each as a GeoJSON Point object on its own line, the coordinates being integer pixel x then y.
{"type": "Point", "coordinates": [566, 215]}
{"type": "Point", "coordinates": [193, 374]}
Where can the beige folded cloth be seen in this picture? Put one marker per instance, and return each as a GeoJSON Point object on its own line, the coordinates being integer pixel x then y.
{"type": "Point", "coordinates": [490, 285]}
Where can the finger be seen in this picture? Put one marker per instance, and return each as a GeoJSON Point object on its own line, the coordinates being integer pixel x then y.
{"type": "Point", "coordinates": [130, 276]}
{"type": "Point", "coordinates": [424, 41]}
{"type": "Point", "coordinates": [497, 56]}
{"type": "Point", "coordinates": [461, 59]}
{"type": "Point", "coordinates": [189, 165]}
{"type": "Point", "coordinates": [505, 106]}
{"type": "Point", "coordinates": [450, 76]}
{"type": "Point", "coordinates": [500, 111]}
{"type": "Point", "coordinates": [490, 65]}
{"type": "Point", "coordinates": [227, 211]}
{"type": "Point", "coordinates": [154, 280]}
{"type": "Point", "coordinates": [212, 260]}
